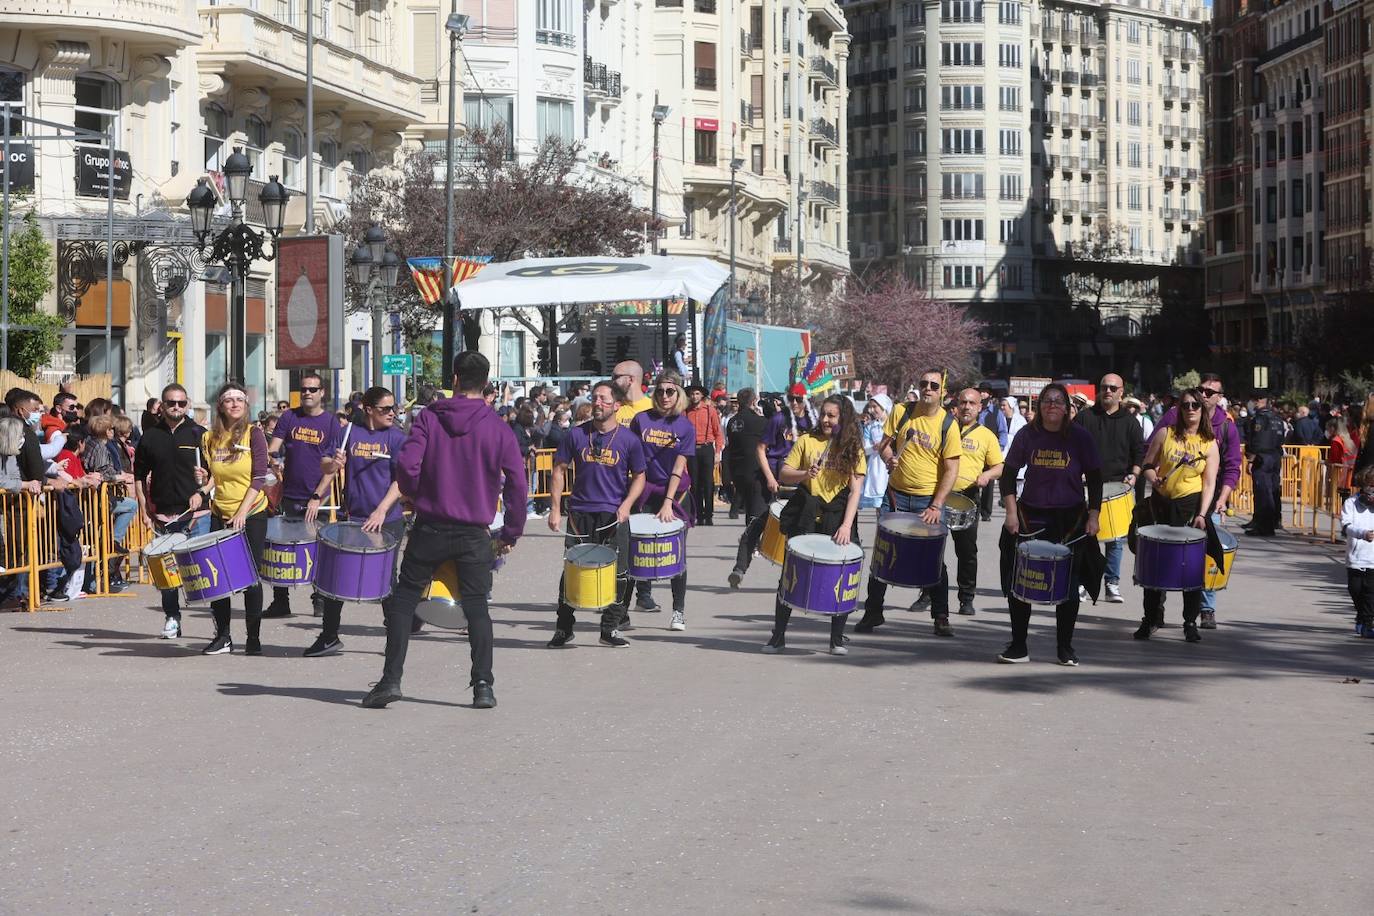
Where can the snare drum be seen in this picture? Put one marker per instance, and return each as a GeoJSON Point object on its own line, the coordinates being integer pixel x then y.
{"type": "Point", "coordinates": [589, 577]}
{"type": "Point", "coordinates": [1171, 559]}
{"type": "Point", "coordinates": [907, 552]}
{"type": "Point", "coordinates": [1118, 504]}
{"type": "Point", "coordinates": [162, 565]}
{"type": "Point", "coordinates": [288, 554]}
{"type": "Point", "coordinates": [773, 544]}
{"type": "Point", "coordinates": [216, 565]}
{"type": "Point", "coordinates": [658, 550]}
{"type": "Point", "coordinates": [354, 565]}
{"type": "Point", "coordinates": [1042, 572]}
{"type": "Point", "coordinates": [821, 577]}
{"type": "Point", "coordinates": [441, 605]}
{"type": "Point", "coordinates": [960, 512]}
{"type": "Point", "coordinates": [1216, 579]}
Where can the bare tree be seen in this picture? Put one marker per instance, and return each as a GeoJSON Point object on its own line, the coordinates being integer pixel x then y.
{"type": "Point", "coordinates": [1085, 280]}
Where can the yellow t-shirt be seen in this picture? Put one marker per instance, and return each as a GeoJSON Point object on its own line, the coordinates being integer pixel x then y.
{"type": "Point", "coordinates": [231, 468]}
{"type": "Point", "coordinates": [626, 412]}
{"type": "Point", "coordinates": [918, 450]}
{"type": "Point", "coordinates": [1175, 453]}
{"type": "Point", "coordinates": [809, 449]}
{"type": "Point", "coordinates": [981, 451]}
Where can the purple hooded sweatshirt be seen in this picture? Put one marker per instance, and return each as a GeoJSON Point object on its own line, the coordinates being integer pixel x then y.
{"type": "Point", "coordinates": [451, 465]}
{"type": "Point", "coordinates": [1228, 443]}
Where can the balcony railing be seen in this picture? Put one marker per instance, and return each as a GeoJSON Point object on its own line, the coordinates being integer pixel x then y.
{"type": "Point", "coordinates": [782, 245]}
{"type": "Point", "coordinates": [1087, 80]}
{"type": "Point", "coordinates": [824, 68]}
{"type": "Point", "coordinates": [704, 6]}
{"type": "Point", "coordinates": [1088, 122]}
{"type": "Point", "coordinates": [1169, 92]}
{"type": "Point", "coordinates": [751, 115]}
{"type": "Point", "coordinates": [825, 191]}
{"type": "Point", "coordinates": [600, 80]}
{"type": "Point", "coordinates": [823, 129]}
{"type": "Point", "coordinates": [1169, 131]}
{"type": "Point", "coordinates": [1070, 76]}
{"type": "Point", "coordinates": [705, 78]}
{"type": "Point", "coordinates": [1169, 214]}
{"type": "Point", "coordinates": [1292, 44]}
{"type": "Point", "coordinates": [1169, 172]}
{"type": "Point", "coordinates": [558, 39]}
{"type": "Point", "coordinates": [1050, 33]}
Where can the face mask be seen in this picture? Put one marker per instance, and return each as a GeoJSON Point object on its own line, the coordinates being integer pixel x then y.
{"type": "Point", "coordinates": [34, 419]}
{"type": "Point", "coordinates": [69, 416]}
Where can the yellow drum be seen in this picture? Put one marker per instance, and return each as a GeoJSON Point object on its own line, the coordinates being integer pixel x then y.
{"type": "Point", "coordinates": [773, 544]}
{"type": "Point", "coordinates": [1216, 579]}
{"type": "Point", "coordinates": [162, 565]}
{"type": "Point", "coordinates": [440, 604]}
{"type": "Point", "coordinates": [1118, 502]}
{"type": "Point", "coordinates": [589, 577]}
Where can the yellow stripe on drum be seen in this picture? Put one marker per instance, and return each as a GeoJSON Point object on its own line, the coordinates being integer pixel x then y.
{"type": "Point", "coordinates": [1118, 504]}
{"type": "Point", "coordinates": [589, 577]}
{"type": "Point", "coordinates": [773, 544]}
{"type": "Point", "coordinates": [163, 571]}
{"type": "Point", "coordinates": [1216, 579]}
{"type": "Point", "coordinates": [440, 604]}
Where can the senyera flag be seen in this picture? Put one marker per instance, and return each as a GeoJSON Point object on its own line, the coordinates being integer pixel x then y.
{"type": "Point", "coordinates": [428, 274]}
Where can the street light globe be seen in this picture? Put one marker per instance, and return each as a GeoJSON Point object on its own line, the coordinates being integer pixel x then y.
{"type": "Point", "coordinates": [375, 239]}
{"type": "Point", "coordinates": [273, 198]}
{"type": "Point", "coordinates": [362, 264]}
{"type": "Point", "coordinates": [391, 269]}
{"type": "Point", "coordinates": [201, 203]}
{"type": "Point", "coordinates": [237, 168]}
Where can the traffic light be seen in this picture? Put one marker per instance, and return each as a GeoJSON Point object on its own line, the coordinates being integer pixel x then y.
{"type": "Point", "coordinates": [543, 365]}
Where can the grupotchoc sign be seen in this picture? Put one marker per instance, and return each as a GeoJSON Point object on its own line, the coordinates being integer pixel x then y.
{"type": "Point", "coordinates": [93, 171]}
{"type": "Point", "coordinates": [19, 167]}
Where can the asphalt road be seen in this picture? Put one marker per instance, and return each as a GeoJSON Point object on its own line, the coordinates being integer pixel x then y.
{"type": "Point", "coordinates": [692, 774]}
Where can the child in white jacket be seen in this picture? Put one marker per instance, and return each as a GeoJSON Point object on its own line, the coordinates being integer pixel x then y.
{"type": "Point", "coordinates": [1357, 521]}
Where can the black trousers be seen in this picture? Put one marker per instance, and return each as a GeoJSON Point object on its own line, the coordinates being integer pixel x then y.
{"type": "Point", "coordinates": [702, 467]}
{"type": "Point", "coordinates": [1361, 585]}
{"type": "Point", "coordinates": [331, 609]}
{"type": "Point", "coordinates": [1266, 482]}
{"type": "Point", "coordinates": [294, 510]}
{"type": "Point", "coordinates": [751, 498]}
{"type": "Point", "coordinates": [1057, 524]}
{"type": "Point", "coordinates": [782, 614]}
{"type": "Point", "coordinates": [600, 528]}
{"type": "Point", "coordinates": [1177, 512]}
{"type": "Point", "coordinates": [255, 529]}
{"type": "Point", "coordinates": [985, 500]}
{"type": "Point", "coordinates": [432, 543]}
{"type": "Point", "coordinates": [966, 555]}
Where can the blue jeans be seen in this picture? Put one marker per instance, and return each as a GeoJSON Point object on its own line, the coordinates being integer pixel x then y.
{"type": "Point", "coordinates": [1209, 597]}
{"type": "Point", "coordinates": [1114, 549]}
{"type": "Point", "coordinates": [122, 513]}
{"type": "Point", "coordinates": [877, 591]}
{"type": "Point", "coordinates": [192, 528]}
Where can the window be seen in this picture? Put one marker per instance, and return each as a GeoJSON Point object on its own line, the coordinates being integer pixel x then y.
{"type": "Point", "coordinates": [216, 131]}
{"type": "Point", "coordinates": [962, 276]}
{"type": "Point", "coordinates": [554, 23]}
{"type": "Point", "coordinates": [12, 90]}
{"type": "Point", "coordinates": [361, 160]}
{"type": "Point", "coordinates": [1133, 31]}
{"type": "Point", "coordinates": [961, 53]}
{"type": "Point", "coordinates": [961, 141]}
{"type": "Point", "coordinates": [961, 98]}
{"type": "Point", "coordinates": [1009, 55]}
{"type": "Point", "coordinates": [97, 107]}
{"type": "Point", "coordinates": [1133, 114]}
{"type": "Point", "coordinates": [706, 147]}
{"type": "Point", "coordinates": [1133, 71]}
{"type": "Point", "coordinates": [554, 118]}
{"type": "Point", "coordinates": [915, 140]}
{"type": "Point", "coordinates": [688, 229]}
{"type": "Point", "coordinates": [1009, 231]}
{"type": "Point", "coordinates": [255, 134]}
{"type": "Point", "coordinates": [329, 163]}
{"type": "Point", "coordinates": [291, 146]}
{"type": "Point", "coordinates": [913, 13]}
{"type": "Point", "coordinates": [705, 57]}
{"type": "Point", "coordinates": [1009, 142]}
{"type": "Point", "coordinates": [1009, 98]}
{"type": "Point", "coordinates": [1133, 197]}
{"type": "Point", "coordinates": [961, 10]}
{"type": "Point", "coordinates": [961, 230]}
{"type": "Point", "coordinates": [487, 114]}
{"type": "Point", "coordinates": [756, 158]}
{"type": "Point", "coordinates": [1010, 187]}
{"type": "Point", "coordinates": [1133, 155]}
{"type": "Point", "coordinates": [1010, 276]}
{"type": "Point", "coordinates": [961, 185]}
{"type": "Point", "coordinates": [1009, 12]}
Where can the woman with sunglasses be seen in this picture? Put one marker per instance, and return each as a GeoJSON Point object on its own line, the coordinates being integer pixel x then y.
{"type": "Point", "coordinates": [235, 463]}
{"type": "Point", "coordinates": [669, 440]}
{"type": "Point", "coordinates": [1181, 468]}
{"type": "Point", "coordinates": [1060, 459]}
{"type": "Point", "coordinates": [371, 495]}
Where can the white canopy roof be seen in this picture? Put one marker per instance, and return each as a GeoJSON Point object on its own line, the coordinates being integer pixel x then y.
{"type": "Point", "coordinates": [589, 281]}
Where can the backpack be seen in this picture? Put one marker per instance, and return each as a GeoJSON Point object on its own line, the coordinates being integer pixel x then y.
{"type": "Point", "coordinates": [908, 416]}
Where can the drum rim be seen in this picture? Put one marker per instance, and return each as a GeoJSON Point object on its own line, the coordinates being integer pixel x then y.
{"type": "Point", "coordinates": [388, 541]}
{"type": "Point", "coordinates": [148, 550]}
{"type": "Point", "coordinates": [1110, 487]}
{"type": "Point", "coordinates": [328, 594]}
{"type": "Point", "coordinates": [676, 525]}
{"type": "Point", "coordinates": [799, 540]}
{"type": "Point", "coordinates": [615, 555]}
{"type": "Point", "coordinates": [212, 537]}
{"type": "Point", "coordinates": [280, 522]}
{"type": "Point", "coordinates": [1193, 538]}
{"type": "Point", "coordinates": [950, 505]}
{"type": "Point", "coordinates": [940, 530]}
{"type": "Point", "coordinates": [229, 594]}
{"type": "Point", "coordinates": [1067, 551]}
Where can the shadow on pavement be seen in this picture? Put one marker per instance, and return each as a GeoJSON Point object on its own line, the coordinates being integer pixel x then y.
{"type": "Point", "coordinates": [319, 694]}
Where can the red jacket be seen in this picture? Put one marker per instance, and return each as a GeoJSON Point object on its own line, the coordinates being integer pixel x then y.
{"type": "Point", "coordinates": [706, 421]}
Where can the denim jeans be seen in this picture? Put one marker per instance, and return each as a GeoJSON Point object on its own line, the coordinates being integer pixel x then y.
{"type": "Point", "coordinates": [1209, 597]}
{"type": "Point", "coordinates": [192, 528]}
{"type": "Point", "coordinates": [1114, 550]}
{"type": "Point", "coordinates": [122, 514]}
{"type": "Point", "coordinates": [877, 591]}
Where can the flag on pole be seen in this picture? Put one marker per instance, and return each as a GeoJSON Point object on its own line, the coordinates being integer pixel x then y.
{"type": "Point", "coordinates": [428, 274]}
{"type": "Point", "coordinates": [816, 375]}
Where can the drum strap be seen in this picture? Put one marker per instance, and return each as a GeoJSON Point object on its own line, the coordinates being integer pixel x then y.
{"type": "Point", "coordinates": [944, 433]}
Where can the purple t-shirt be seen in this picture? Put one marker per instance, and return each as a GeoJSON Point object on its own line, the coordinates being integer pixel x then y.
{"type": "Point", "coordinates": [664, 438]}
{"type": "Point", "coordinates": [776, 445]}
{"type": "Point", "coordinates": [371, 470]}
{"type": "Point", "coordinates": [602, 464]}
{"type": "Point", "coordinates": [306, 442]}
{"type": "Point", "coordinates": [1055, 464]}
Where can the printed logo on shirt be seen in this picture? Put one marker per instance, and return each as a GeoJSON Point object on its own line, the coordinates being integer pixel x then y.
{"type": "Point", "coordinates": [1055, 458]}
{"type": "Point", "coordinates": [368, 450]}
{"type": "Point", "coordinates": [604, 456]}
{"type": "Point", "coordinates": [920, 437]}
{"type": "Point", "coordinates": [660, 438]}
{"type": "Point", "coordinates": [307, 435]}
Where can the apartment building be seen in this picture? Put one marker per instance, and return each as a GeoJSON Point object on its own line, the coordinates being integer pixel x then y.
{"type": "Point", "coordinates": [1345, 81]}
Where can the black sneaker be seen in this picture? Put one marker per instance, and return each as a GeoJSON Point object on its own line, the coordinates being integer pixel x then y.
{"type": "Point", "coordinates": [922, 603]}
{"type": "Point", "coordinates": [252, 646]}
{"type": "Point", "coordinates": [1067, 657]}
{"type": "Point", "coordinates": [774, 645]}
{"type": "Point", "coordinates": [1190, 633]}
{"type": "Point", "coordinates": [736, 577]}
{"type": "Point", "coordinates": [324, 645]}
{"type": "Point", "coordinates": [614, 640]}
{"type": "Point", "coordinates": [869, 623]}
{"type": "Point", "coordinates": [1146, 630]}
{"type": "Point", "coordinates": [646, 602]}
{"type": "Point", "coordinates": [60, 597]}
{"type": "Point", "coordinates": [560, 639]}
{"type": "Point", "coordinates": [942, 627]}
{"type": "Point", "coordinates": [1014, 654]}
{"type": "Point", "coordinates": [966, 608]}
{"type": "Point", "coordinates": [482, 696]}
{"type": "Point", "coordinates": [277, 609]}
{"type": "Point", "coordinates": [220, 645]}
{"type": "Point", "coordinates": [381, 694]}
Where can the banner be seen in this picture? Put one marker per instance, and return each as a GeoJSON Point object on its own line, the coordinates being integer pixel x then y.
{"type": "Point", "coordinates": [310, 302]}
{"type": "Point", "coordinates": [93, 172]}
{"type": "Point", "coordinates": [20, 167]}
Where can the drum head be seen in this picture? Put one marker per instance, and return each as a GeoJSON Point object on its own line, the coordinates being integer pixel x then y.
{"type": "Point", "coordinates": [775, 509]}
{"type": "Point", "coordinates": [1228, 540]}
{"type": "Point", "coordinates": [209, 540]}
{"type": "Point", "coordinates": [909, 525]}
{"type": "Point", "coordinates": [1170, 534]}
{"type": "Point", "coordinates": [643, 524]}
{"type": "Point", "coordinates": [442, 612]}
{"type": "Point", "coordinates": [958, 502]}
{"type": "Point", "coordinates": [820, 549]}
{"type": "Point", "coordinates": [1042, 550]}
{"type": "Point", "coordinates": [351, 537]}
{"type": "Point", "coordinates": [165, 543]}
{"type": "Point", "coordinates": [291, 531]}
{"type": "Point", "coordinates": [1114, 490]}
{"type": "Point", "coordinates": [590, 556]}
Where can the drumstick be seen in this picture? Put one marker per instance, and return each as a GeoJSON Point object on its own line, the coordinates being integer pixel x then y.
{"type": "Point", "coordinates": [343, 446]}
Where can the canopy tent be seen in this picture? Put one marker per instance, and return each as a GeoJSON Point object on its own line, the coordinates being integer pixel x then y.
{"type": "Point", "coordinates": [590, 281]}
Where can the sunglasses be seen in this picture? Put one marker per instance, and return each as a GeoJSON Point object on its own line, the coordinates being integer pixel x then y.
{"type": "Point", "coordinates": [1212, 392]}
{"type": "Point", "coordinates": [1111, 387]}
{"type": "Point", "coordinates": [930, 386]}
{"type": "Point", "coordinates": [385, 408]}
{"type": "Point", "coordinates": [305, 389]}
{"type": "Point", "coordinates": [665, 392]}
{"type": "Point", "coordinates": [176, 403]}
{"type": "Point", "coordinates": [1190, 405]}
{"type": "Point", "coordinates": [1053, 402]}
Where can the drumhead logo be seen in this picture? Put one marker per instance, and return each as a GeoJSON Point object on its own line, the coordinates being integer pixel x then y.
{"type": "Point", "coordinates": [586, 268]}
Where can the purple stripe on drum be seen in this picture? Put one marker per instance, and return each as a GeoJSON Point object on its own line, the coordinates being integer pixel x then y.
{"type": "Point", "coordinates": [288, 564]}
{"type": "Point", "coordinates": [658, 556]}
{"type": "Point", "coordinates": [215, 566]}
{"type": "Point", "coordinates": [815, 585]}
{"type": "Point", "coordinates": [1171, 559]}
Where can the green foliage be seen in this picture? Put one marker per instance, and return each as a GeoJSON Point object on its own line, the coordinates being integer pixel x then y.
{"type": "Point", "coordinates": [1190, 379]}
{"type": "Point", "coordinates": [31, 278]}
{"type": "Point", "coordinates": [430, 357]}
{"type": "Point", "coordinates": [1358, 384]}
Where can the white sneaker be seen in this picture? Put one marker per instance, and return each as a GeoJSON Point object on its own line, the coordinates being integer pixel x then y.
{"type": "Point", "coordinates": [679, 621]}
{"type": "Point", "coordinates": [1082, 593]}
{"type": "Point", "coordinates": [171, 629]}
{"type": "Point", "coordinates": [1114, 593]}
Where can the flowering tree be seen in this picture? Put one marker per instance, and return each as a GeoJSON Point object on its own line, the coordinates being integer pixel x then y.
{"type": "Point", "coordinates": [896, 331]}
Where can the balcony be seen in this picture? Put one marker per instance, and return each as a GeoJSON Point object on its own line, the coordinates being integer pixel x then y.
{"type": "Point", "coordinates": [783, 246]}
{"type": "Point", "coordinates": [1069, 205]}
{"type": "Point", "coordinates": [1052, 76]}
{"type": "Point", "coordinates": [1170, 172]}
{"type": "Point", "coordinates": [1070, 119]}
{"type": "Point", "coordinates": [1169, 131]}
{"type": "Point", "coordinates": [704, 6]}
{"type": "Point", "coordinates": [823, 70]}
{"type": "Point", "coordinates": [824, 132]}
{"type": "Point", "coordinates": [1070, 77]}
{"type": "Point", "coordinates": [1051, 118]}
{"type": "Point", "coordinates": [555, 38]}
{"type": "Point", "coordinates": [1306, 38]}
{"type": "Point", "coordinates": [255, 49]}
{"type": "Point", "coordinates": [1169, 214]}
{"type": "Point", "coordinates": [1050, 34]}
{"type": "Point", "coordinates": [1087, 40]}
{"type": "Point", "coordinates": [1169, 49]}
{"type": "Point", "coordinates": [1087, 80]}
{"type": "Point", "coordinates": [599, 81]}
{"type": "Point", "coordinates": [826, 192]}
{"type": "Point", "coordinates": [1088, 122]}
{"type": "Point", "coordinates": [1191, 134]}
{"type": "Point", "coordinates": [1190, 216]}
{"type": "Point", "coordinates": [1188, 96]}
{"type": "Point", "coordinates": [1170, 93]}
{"type": "Point", "coordinates": [750, 115]}
{"type": "Point", "coordinates": [169, 22]}
{"type": "Point", "coordinates": [706, 78]}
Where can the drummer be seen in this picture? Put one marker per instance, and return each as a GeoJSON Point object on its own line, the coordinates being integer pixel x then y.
{"type": "Point", "coordinates": [372, 495]}
{"type": "Point", "coordinates": [827, 466]}
{"type": "Point", "coordinates": [755, 481]}
{"type": "Point", "coordinates": [979, 465]}
{"type": "Point", "coordinates": [459, 457]}
{"type": "Point", "coordinates": [1060, 459]}
{"type": "Point", "coordinates": [1121, 447]}
{"type": "Point", "coordinates": [235, 453]}
{"type": "Point", "coordinates": [923, 452]}
{"type": "Point", "coordinates": [1181, 468]}
{"type": "Point", "coordinates": [669, 440]}
{"type": "Point", "coordinates": [165, 474]}
{"type": "Point", "coordinates": [608, 464]}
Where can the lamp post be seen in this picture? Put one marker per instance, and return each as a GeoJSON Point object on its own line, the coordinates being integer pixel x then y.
{"type": "Point", "coordinates": [455, 25]}
{"type": "Point", "coordinates": [735, 166]}
{"type": "Point", "coordinates": [659, 114]}
{"type": "Point", "coordinates": [237, 246]}
{"type": "Point", "coordinates": [1282, 346]}
{"type": "Point", "coordinates": [376, 268]}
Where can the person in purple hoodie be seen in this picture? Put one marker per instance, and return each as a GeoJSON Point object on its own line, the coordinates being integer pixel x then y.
{"type": "Point", "coordinates": [451, 467]}
{"type": "Point", "coordinates": [372, 494]}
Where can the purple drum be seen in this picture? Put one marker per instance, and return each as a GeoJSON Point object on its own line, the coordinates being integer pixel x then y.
{"type": "Point", "coordinates": [907, 552]}
{"type": "Point", "coordinates": [819, 576]}
{"type": "Point", "coordinates": [288, 556]}
{"type": "Point", "coordinates": [1042, 572]}
{"type": "Point", "coordinates": [215, 565]}
{"type": "Point", "coordinates": [353, 564]}
{"type": "Point", "coordinates": [1171, 559]}
{"type": "Point", "coordinates": [658, 550]}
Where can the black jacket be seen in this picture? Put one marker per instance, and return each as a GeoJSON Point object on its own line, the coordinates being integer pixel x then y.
{"type": "Point", "coordinates": [31, 463]}
{"type": "Point", "coordinates": [1120, 440]}
{"type": "Point", "coordinates": [166, 460]}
